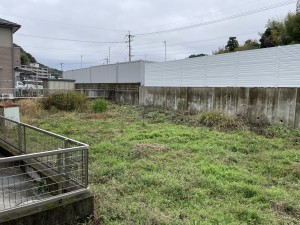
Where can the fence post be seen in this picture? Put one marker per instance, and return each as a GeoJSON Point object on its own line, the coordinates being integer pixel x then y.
{"type": "Point", "coordinates": [67, 162]}
{"type": "Point", "coordinates": [59, 164]}
{"type": "Point", "coordinates": [20, 137]}
{"type": "Point", "coordinates": [86, 167]}
{"type": "Point", "coordinates": [25, 143]}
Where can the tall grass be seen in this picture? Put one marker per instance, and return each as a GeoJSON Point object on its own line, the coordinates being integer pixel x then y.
{"type": "Point", "coordinates": [158, 167]}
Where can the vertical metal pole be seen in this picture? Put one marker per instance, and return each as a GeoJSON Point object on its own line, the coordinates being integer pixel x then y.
{"type": "Point", "coordinates": [20, 137]}
{"type": "Point", "coordinates": [25, 143]}
{"type": "Point", "coordinates": [109, 55]}
{"type": "Point", "coordinates": [86, 167]}
{"type": "Point", "coordinates": [67, 162]}
{"type": "Point", "coordinates": [165, 42]}
{"type": "Point", "coordinates": [130, 39]}
{"type": "Point", "coordinates": [59, 164]}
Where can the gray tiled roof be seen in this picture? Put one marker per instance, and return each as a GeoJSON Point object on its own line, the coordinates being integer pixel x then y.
{"type": "Point", "coordinates": [7, 23]}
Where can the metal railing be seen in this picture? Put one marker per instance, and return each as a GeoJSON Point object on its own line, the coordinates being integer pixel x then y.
{"type": "Point", "coordinates": [48, 165]}
{"type": "Point", "coordinates": [11, 93]}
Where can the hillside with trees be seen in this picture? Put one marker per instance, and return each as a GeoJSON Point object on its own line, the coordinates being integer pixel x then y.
{"type": "Point", "coordinates": [27, 58]}
{"type": "Point", "coordinates": [277, 33]}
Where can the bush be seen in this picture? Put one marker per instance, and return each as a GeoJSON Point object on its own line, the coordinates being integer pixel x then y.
{"type": "Point", "coordinates": [99, 105]}
{"type": "Point", "coordinates": [31, 107]}
{"type": "Point", "coordinates": [68, 101]}
{"type": "Point", "coordinates": [222, 121]}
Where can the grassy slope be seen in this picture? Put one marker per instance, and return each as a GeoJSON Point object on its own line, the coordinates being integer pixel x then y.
{"type": "Point", "coordinates": [149, 171]}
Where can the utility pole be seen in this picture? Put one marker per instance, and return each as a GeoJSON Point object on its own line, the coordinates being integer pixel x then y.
{"type": "Point", "coordinates": [130, 37]}
{"type": "Point", "coordinates": [165, 42]}
{"type": "Point", "coordinates": [61, 66]}
{"type": "Point", "coordinates": [81, 60]}
{"type": "Point", "coordinates": [107, 60]}
{"type": "Point", "coordinates": [109, 55]}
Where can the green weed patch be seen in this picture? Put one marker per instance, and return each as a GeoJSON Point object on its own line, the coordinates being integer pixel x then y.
{"type": "Point", "coordinates": [150, 166]}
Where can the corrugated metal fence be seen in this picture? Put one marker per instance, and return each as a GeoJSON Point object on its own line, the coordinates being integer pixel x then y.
{"type": "Point", "coordinates": [271, 67]}
{"type": "Point", "coordinates": [132, 72]}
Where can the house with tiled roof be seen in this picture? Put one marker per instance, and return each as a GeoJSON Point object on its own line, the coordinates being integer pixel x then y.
{"type": "Point", "coordinates": [9, 56]}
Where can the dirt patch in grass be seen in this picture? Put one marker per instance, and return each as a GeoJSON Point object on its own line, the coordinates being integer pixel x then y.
{"type": "Point", "coordinates": [146, 150]}
{"type": "Point", "coordinates": [285, 208]}
{"type": "Point", "coordinates": [95, 116]}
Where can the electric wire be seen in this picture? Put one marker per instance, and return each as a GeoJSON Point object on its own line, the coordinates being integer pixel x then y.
{"type": "Point", "coordinates": [218, 20]}
{"type": "Point", "coordinates": [65, 39]}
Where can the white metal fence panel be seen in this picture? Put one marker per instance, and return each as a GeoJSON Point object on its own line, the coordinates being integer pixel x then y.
{"type": "Point", "coordinates": [106, 74]}
{"type": "Point", "coordinates": [155, 74]}
{"type": "Point", "coordinates": [193, 72]}
{"type": "Point", "coordinates": [129, 72]}
{"type": "Point", "coordinates": [289, 66]}
{"type": "Point", "coordinates": [256, 68]}
{"type": "Point", "coordinates": [271, 67]}
{"type": "Point", "coordinates": [220, 70]}
{"type": "Point", "coordinates": [81, 76]}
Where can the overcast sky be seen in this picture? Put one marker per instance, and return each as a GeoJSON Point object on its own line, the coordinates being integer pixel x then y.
{"type": "Point", "coordinates": [86, 29]}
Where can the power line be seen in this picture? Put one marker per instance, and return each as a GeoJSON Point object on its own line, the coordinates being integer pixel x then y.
{"type": "Point", "coordinates": [219, 20]}
{"type": "Point", "coordinates": [58, 22]}
{"type": "Point", "coordinates": [199, 16]}
{"type": "Point", "coordinates": [118, 50]}
{"type": "Point", "coordinates": [180, 44]}
{"type": "Point", "coordinates": [64, 39]}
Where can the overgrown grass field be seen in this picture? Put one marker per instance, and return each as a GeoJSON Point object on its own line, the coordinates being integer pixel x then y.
{"type": "Point", "coordinates": [149, 166]}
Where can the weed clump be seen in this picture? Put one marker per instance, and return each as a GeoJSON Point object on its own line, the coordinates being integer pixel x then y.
{"type": "Point", "coordinates": [31, 107]}
{"type": "Point", "coordinates": [222, 121]}
{"type": "Point", "coordinates": [68, 101]}
{"type": "Point", "coordinates": [99, 105]}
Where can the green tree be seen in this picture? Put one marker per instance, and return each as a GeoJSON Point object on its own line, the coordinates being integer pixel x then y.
{"type": "Point", "coordinates": [232, 44]}
{"type": "Point", "coordinates": [292, 26]}
{"type": "Point", "coordinates": [24, 59]}
{"type": "Point", "coordinates": [198, 55]}
{"type": "Point", "coordinates": [249, 45]}
{"type": "Point", "coordinates": [274, 35]}
{"type": "Point", "coordinates": [266, 40]}
{"type": "Point", "coordinates": [220, 51]}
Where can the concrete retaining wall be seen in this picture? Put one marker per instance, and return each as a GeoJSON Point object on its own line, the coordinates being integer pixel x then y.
{"type": "Point", "coordinates": [119, 93]}
{"type": "Point", "coordinates": [63, 210]}
{"type": "Point", "coordinates": [277, 105]}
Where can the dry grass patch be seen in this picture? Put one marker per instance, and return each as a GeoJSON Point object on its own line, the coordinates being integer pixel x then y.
{"type": "Point", "coordinates": [146, 150]}
{"type": "Point", "coordinates": [31, 108]}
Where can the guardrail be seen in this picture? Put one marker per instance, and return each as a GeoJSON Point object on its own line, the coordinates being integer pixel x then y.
{"type": "Point", "coordinates": [48, 165]}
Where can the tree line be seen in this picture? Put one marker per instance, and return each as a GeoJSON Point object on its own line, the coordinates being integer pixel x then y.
{"type": "Point", "coordinates": [277, 33]}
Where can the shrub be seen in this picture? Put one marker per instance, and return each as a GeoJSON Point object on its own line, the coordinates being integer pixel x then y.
{"type": "Point", "coordinates": [68, 101]}
{"type": "Point", "coordinates": [222, 121]}
{"type": "Point", "coordinates": [31, 107]}
{"type": "Point", "coordinates": [99, 105]}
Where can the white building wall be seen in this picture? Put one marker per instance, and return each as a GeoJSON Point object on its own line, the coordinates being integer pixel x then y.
{"type": "Point", "coordinates": [271, 67]}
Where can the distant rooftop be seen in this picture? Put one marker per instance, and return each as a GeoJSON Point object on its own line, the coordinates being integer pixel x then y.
{"type": "Point", "coordinates": [6, 23]}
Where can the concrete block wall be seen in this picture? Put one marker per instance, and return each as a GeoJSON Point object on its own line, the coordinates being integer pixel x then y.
{"type": "Point", "coordinates": [125, 93]}
{"type": "Point", "coordinates": [276, 105]}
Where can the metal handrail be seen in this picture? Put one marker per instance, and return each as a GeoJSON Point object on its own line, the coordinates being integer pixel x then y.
{"type": "Point", "coordinates": [44, 131]}
{"type": "Point", "coordinates": [40, 154]}
{"type": "Point", "coordinates": [57, 164]}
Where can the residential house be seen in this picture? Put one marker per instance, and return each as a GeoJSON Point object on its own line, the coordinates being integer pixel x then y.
{"type": "Point", "coordinates": [9, 56]}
